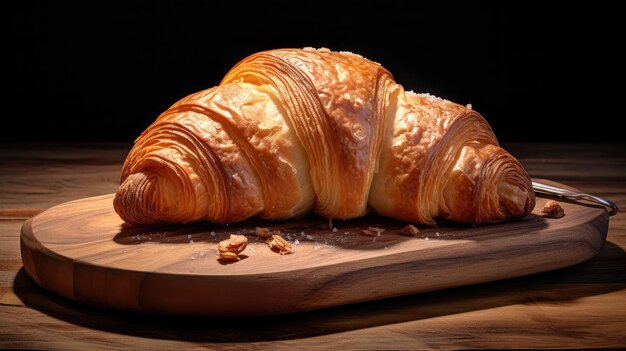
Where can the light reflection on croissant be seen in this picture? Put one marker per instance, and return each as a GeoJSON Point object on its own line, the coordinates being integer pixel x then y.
{"type": "Point", "coordinates": [288, 131]}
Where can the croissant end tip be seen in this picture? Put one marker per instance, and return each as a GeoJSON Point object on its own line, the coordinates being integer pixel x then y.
{"type": "Point", "coordinates": [134, 200]}
{"type": "Point", "coordinates": [517, 200]}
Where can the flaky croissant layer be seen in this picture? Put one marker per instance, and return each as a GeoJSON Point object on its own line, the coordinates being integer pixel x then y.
{"type": "Point", "coordinates": [289, 131]}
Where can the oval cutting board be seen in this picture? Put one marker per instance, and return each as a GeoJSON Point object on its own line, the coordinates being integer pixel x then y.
{"type": "Point", "coordinates": [83, 251]}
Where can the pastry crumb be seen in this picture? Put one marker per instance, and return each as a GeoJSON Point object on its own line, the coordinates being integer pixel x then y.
{"type": "Point", "coordinates": [265, 232]}
{"type": "Point", "coordinates": [373, 231]}
{"type": "Point", "coordinates": [229, 249]}
{"type": "Point", "coordinates": [279, 244]}
{"type": "Point", "coordinates": [410, 230]}
{"type": "Point", "coordinates": [553, 209]}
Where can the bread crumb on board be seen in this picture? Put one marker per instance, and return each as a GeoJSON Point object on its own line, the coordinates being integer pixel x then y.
{"type": "Point", "coordinates": [373, 231]}
{"type": "Point", "coordinates": [553, 209]}
{"type": "Point", "coordinates": [229, 249]}
{"type": "Point", "coordinates": [265, 232]}
{"type": "Point", "coordinates": [410, 230]}
{"type": "Point", "coordinates": [278, 244]}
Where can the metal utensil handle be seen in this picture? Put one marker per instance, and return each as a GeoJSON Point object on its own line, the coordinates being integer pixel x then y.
{"type": "Point", "coordinates": [569, 194]}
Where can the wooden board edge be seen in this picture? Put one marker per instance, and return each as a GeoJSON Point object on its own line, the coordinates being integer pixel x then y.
{"type": "Point", "coordinates": [48, 269]}
{"type": "Point", "coordinates": [317, 293]}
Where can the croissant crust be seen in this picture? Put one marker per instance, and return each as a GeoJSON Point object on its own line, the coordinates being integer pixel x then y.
{"type": "Point", "coordinates": [289, 131]}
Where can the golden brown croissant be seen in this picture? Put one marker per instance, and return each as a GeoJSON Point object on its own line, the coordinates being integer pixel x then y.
{"type": "Point", "coordinates": [291, 130]}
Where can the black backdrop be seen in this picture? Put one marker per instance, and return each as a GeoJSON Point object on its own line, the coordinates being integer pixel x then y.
{"type": "Point", "coordinates": [80, 72]}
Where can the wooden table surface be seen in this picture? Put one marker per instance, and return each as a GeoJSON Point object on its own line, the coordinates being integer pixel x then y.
{"type": "Point", "coordinates": [583, 306]}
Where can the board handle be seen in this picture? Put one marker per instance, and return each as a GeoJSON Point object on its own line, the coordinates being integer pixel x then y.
{"type": "Point", "coordinates": [547, 189]}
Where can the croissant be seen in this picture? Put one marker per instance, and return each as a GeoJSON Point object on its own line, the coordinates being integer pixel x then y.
{"type": "Point", "coordinates": [290, 130]}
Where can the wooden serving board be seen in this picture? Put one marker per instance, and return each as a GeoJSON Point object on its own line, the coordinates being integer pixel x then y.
{"type": "Point", "coordinates": [83, 251]}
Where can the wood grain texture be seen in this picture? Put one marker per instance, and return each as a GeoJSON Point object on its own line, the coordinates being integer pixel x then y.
{"type": "Point", "coordinates": [82, 250]}
{"type": "Point", "coordinates": [583, 306]}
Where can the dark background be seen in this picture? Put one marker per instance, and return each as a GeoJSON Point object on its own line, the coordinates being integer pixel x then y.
{"type": "Point", "coordinates": [80, 72]}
